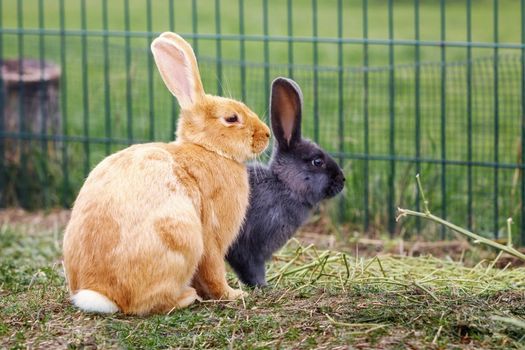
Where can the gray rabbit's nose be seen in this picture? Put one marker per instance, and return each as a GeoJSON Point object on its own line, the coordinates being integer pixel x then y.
{"type": "Point", "coordinates": [340, 177]}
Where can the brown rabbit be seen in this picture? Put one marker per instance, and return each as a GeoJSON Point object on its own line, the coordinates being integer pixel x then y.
{"type": "Point", "coordinates": [154, 218]}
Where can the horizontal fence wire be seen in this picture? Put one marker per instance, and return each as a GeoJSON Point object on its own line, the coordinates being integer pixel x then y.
{"type": "Point", "coordinates": [271, 38]}
{"type": "Point", "coordinates": [386, 106]}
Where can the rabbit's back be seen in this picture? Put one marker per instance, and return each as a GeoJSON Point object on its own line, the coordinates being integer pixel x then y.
{"type": "Point", "coordinates": [136, 186]}
{"type": "Point", "coordinates": [120, 240]}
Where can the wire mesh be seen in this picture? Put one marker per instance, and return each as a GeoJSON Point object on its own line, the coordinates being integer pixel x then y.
{"type": "Point", "coordinates": [390, 90]}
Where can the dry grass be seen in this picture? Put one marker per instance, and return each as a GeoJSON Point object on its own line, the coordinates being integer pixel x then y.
{"type": "Point", "coordinates": [317, 299]}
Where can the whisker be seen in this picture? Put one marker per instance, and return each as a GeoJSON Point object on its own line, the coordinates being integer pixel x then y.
{"type": "Point", "coordinates": [224, 87]}
{"type": "Point", "coordinates": [227, 88]}
{"type": "Point", "coordinates": [259, 172]}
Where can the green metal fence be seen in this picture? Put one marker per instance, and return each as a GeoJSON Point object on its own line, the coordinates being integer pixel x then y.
{"type": "Point", "coordinates": [392, 88]}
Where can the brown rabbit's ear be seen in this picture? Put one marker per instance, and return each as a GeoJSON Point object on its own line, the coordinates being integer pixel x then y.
{"type": "Point", "coordinates": [285, 111]}
{"type": "Point", "coordinates": [178, 68]}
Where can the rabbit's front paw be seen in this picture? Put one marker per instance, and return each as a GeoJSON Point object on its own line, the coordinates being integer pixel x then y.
{"type": "Point", "coordinates": [234, 294]}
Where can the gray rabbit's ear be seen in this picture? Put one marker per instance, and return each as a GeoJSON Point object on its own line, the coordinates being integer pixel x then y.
{"type": "Point", "coordinates": [286, 104]}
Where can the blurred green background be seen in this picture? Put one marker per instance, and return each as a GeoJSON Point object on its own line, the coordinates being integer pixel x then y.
{"type": "Point", "coordinates": [426, 101]}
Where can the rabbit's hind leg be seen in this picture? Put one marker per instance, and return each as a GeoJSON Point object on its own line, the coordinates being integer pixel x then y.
{"type": "Point", "coordinates": [187, 297]}
{"type": "Point", "coordinates": [173, 301]}
{"type": "Point", "coordinates": [171, 265]}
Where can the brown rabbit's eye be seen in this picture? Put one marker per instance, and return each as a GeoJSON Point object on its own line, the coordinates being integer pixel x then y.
{"type": "Point", "coordinates": [317, 162]}
{"type": "Point", "coordinates": [232, 119]}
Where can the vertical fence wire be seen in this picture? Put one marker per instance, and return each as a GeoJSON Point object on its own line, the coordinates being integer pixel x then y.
{"type": "Point", "coordinates": [242, 50]}
{"type": "Point", "coordinates": [174, 108]}
{"type": "Point", "coordinates": [340, 95]}
{"type": "Point", "coordinates": [522, 228]}
{"type": "Point", "coordinates": [44, 157]}
{"type": "Point", "coordinates": [64, 105]}
{"type": "Point", "coordinates": [151, 96]}
{"type": "Point", "coordinates": [85, 88]}
{"type": "Point", "coordinates": [443, 114]}
{"type": "Point", "coordinates": [391, 104]}
{"type": "Point", "coordinates": [366, 164]}
{"type": "Point", "coordinates": [21, 106]}
{"type": "Point", "coordinates": [417, 103]}
{"type": "Point", "coordinates": [195, 26]}
{"type": "Point", "coordinates": [315, 52]}
{"type": "Point", "coordinates": [2, 115]}
{"type": "Point", "coordinates": [129, 94]}
{"type": "Point", "coordinates": [289, 12]}
{"type": "Point", "coordinates": [469, 115]}
{"type": "Point", "coordinates": [107, 85]}
{"type": "Point", "coordinates": [496, 119]}
{"type": "Point", "coordinates": [266, 49]}
{"type": "Point", "coordinates": [218, 45]}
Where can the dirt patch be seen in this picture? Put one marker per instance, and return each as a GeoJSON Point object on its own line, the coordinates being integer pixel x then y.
{"type": "Point", "coordinates": [54, 219]}
{"type": "Point", "coordinates": [320, 231]}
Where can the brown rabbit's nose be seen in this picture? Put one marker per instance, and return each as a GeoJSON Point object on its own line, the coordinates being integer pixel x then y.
{"type": "Point", "coordinates": [261, 138]}
{"type": "Point", "coordinates": [264, 132]}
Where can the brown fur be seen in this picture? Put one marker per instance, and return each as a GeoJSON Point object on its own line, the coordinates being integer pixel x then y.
{"type": "Point", "coordinates": [153, 217]}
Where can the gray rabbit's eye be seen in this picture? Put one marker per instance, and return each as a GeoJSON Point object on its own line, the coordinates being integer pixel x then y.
{"type": "Point", "coordinates": [233, 119]}
{"type": "Point", "coordinates": [317, 162]}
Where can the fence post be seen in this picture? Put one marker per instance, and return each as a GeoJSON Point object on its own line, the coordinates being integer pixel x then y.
{"type": "Point", "coordinates": [30, 96]}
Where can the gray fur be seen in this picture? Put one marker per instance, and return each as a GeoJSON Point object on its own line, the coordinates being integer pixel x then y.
{"type": "Point", "coordinates": [283, 193]}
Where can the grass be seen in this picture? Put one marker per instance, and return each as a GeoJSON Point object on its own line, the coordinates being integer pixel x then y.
{"type": "Point", "coordinates": [317, 299]}
{"type": "Point", "coordinates": [139, 108]}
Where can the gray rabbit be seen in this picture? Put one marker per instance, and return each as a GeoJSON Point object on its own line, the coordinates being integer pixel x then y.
{"type": "Point", "coordinates": [282, 195]}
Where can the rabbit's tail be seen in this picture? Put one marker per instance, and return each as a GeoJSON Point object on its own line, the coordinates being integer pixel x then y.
{"type": "Point", "coordinates": [91, 301]}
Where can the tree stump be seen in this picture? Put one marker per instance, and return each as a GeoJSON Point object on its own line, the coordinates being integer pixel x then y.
{"type": "Point", "coordinates": [30, 122]}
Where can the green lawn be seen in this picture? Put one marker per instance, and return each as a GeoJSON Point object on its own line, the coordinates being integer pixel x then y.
{"type": "Point", "coordinates": [137, 94]}
{"type": "Point", "coordinates": [316, 299]}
